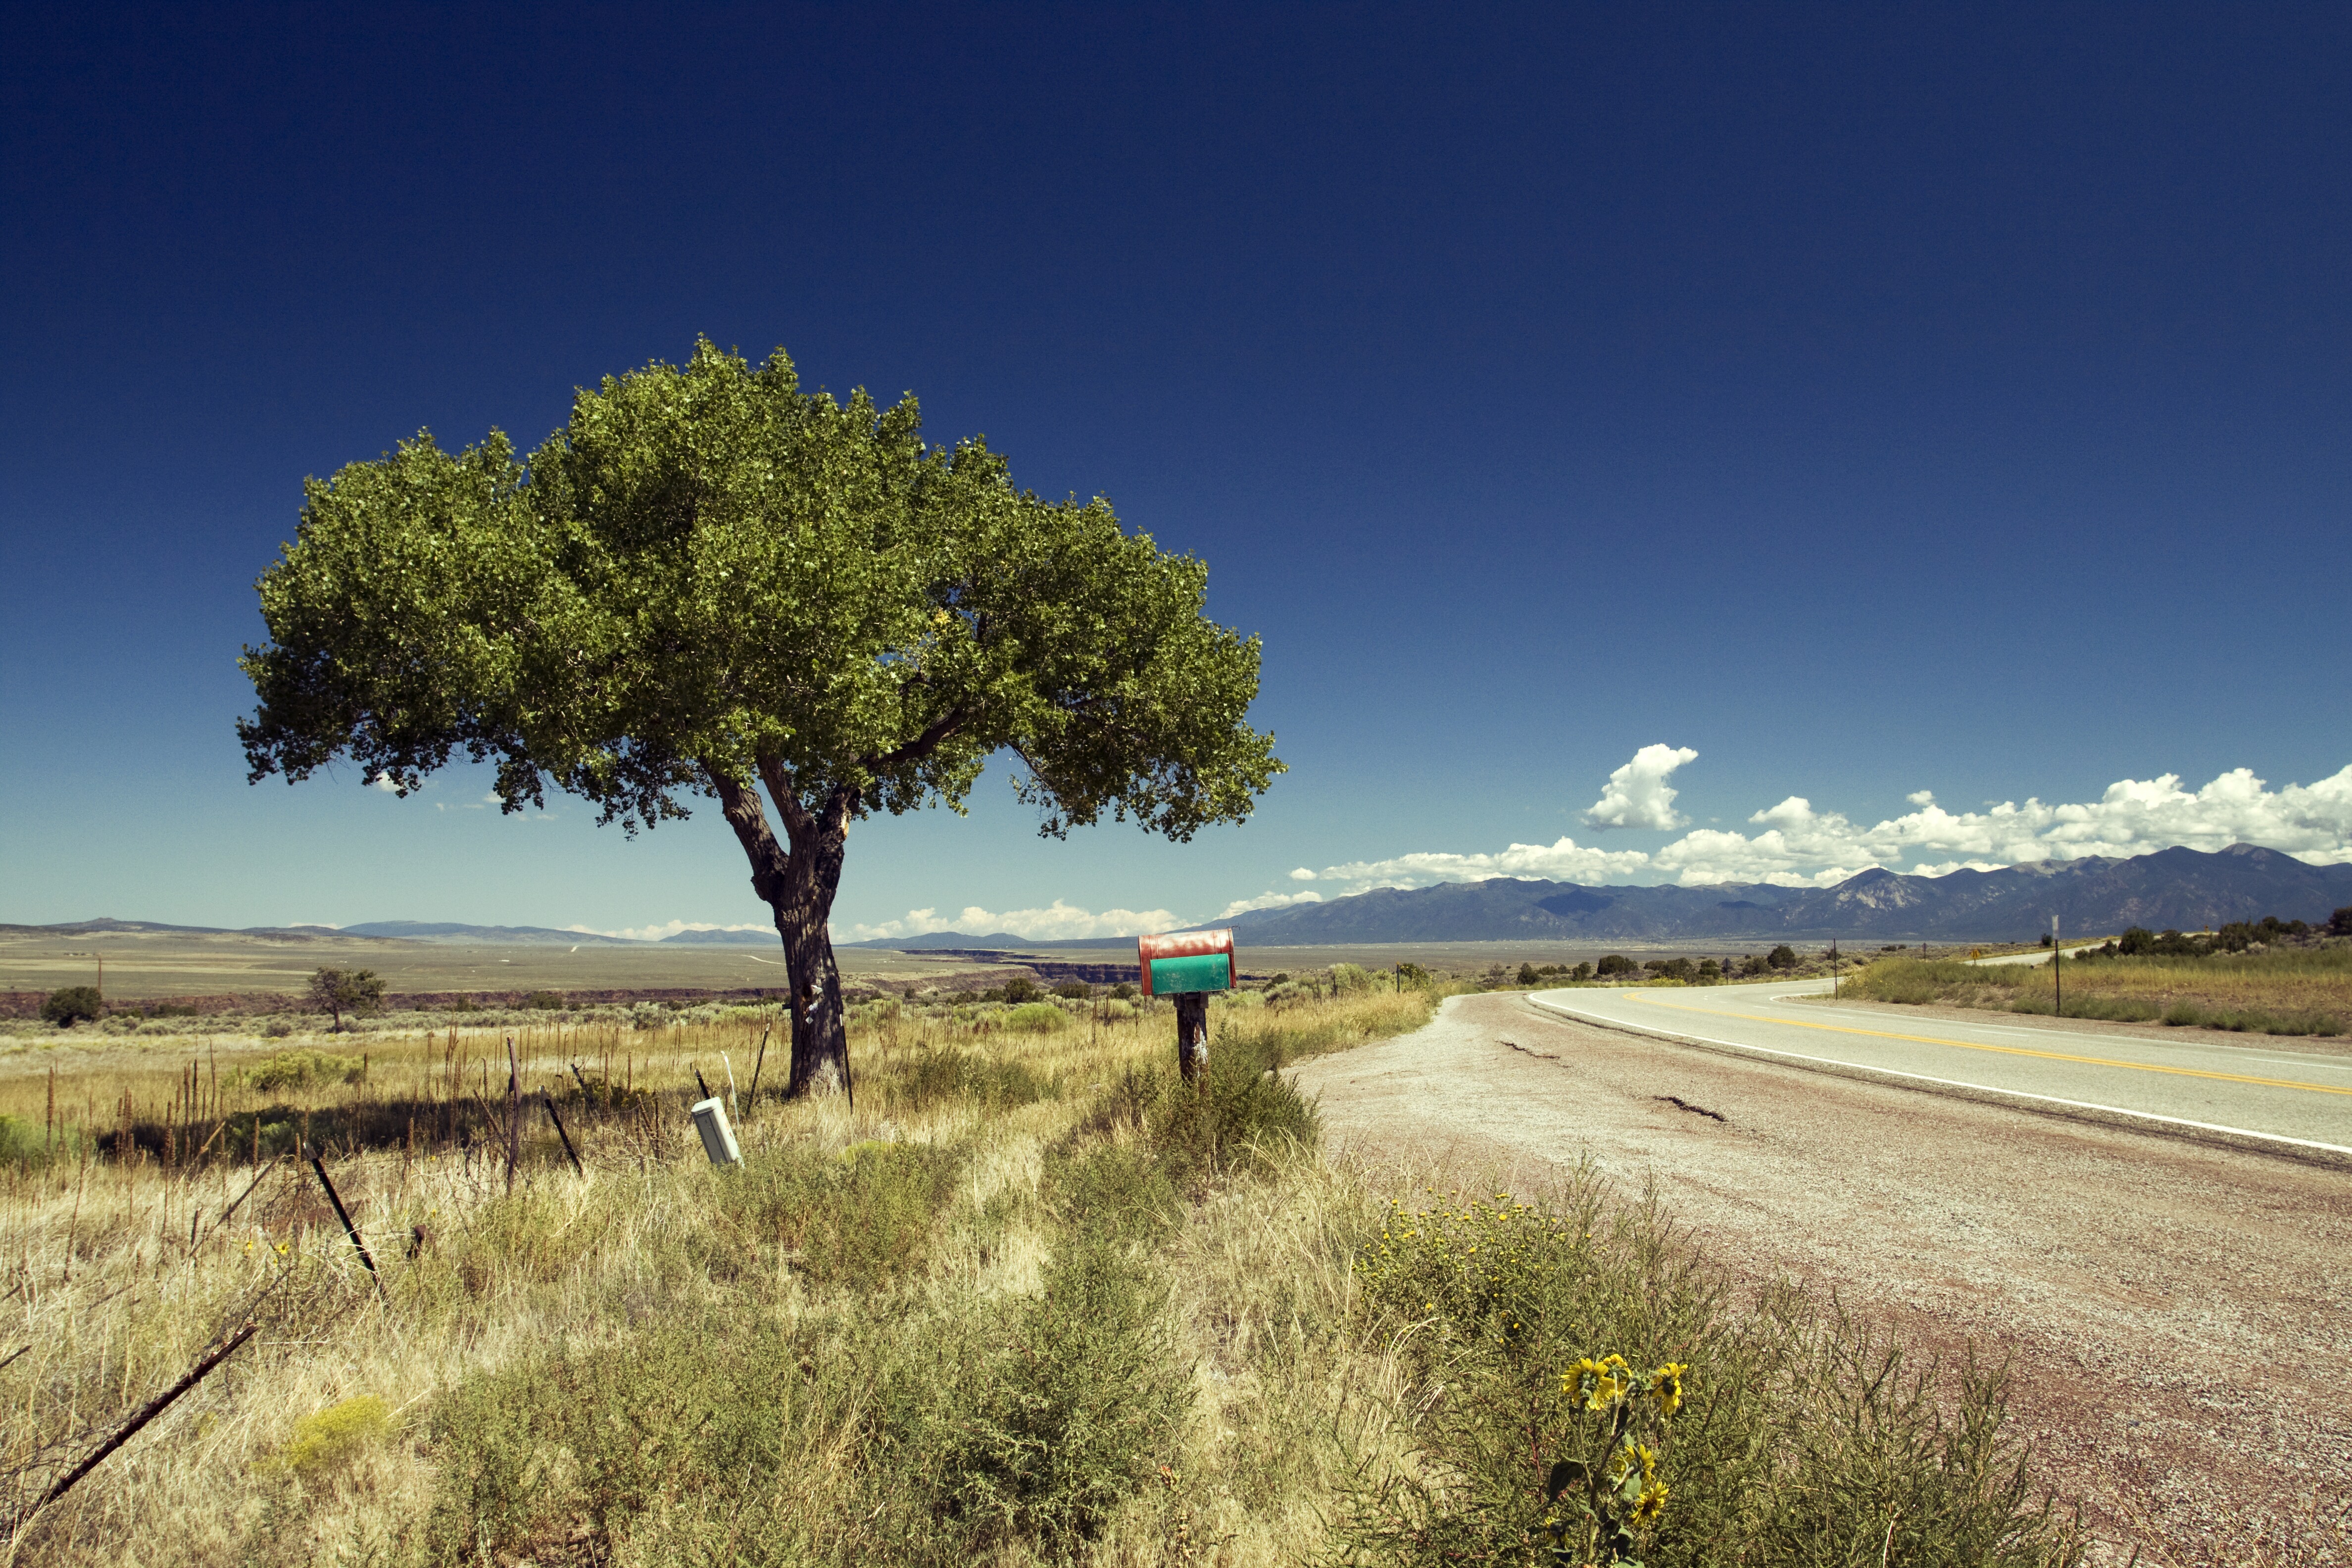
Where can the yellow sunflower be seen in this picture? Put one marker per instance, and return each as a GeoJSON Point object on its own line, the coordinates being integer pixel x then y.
{"type": "Point", "coordinates": [1666, 1386]}
{"type": "Point", "coordinates": [1589, 1382]}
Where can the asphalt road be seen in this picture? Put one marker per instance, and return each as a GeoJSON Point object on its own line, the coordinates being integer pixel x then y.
{"type": "Point", "coordinates": [2176, 1311]}
{"type": "Point", "coordinates": [2241, 1088]}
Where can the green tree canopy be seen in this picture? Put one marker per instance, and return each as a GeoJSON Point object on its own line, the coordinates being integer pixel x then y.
{"type": "Point", "coordinates": [341, 990]}
{"type": "Point", "coordinates": [710, 582]}
{"type": "Point", "coordinates": [73, 1004]}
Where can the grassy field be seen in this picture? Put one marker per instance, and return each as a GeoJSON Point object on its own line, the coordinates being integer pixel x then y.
{"type": "Point", "coordinates": [1030, 1300]}
{"type": "Point", "coordinates": [139, 966]}
{"type": "Point", "coordinates": [2282, 991]}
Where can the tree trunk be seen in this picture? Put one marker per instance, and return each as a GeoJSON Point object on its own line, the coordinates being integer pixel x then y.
{"type": "Point", "coordinates": [799, 887]}
{"type": "Point", "coordinates": [1192, 1035]}
{"type": "Point", "coordinates": [820, 1035]}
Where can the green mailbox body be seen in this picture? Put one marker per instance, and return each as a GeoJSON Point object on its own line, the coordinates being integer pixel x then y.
{"type": "Point", "coordinates": [1186, 961]}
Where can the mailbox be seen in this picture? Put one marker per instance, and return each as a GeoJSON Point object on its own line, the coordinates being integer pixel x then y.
{"type": "Point", "coordinates": [1186, 961]}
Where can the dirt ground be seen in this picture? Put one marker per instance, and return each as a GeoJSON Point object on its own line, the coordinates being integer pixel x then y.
{"type": "Point", "coordinates": [2179, 1315]}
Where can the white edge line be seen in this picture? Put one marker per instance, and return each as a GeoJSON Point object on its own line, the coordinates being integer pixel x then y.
{"type": "Point", "coordinates": [1953, 1082]}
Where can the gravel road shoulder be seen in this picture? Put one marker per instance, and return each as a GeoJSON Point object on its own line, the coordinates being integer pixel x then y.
{"type": "Point", "coordinates": [2180, 1315]}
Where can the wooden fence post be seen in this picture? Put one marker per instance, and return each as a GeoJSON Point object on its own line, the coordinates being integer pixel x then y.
{"type": "Point", "coordinates": [1192, 1035]}
{"type": "Point", "coordinates": [514, 1112]}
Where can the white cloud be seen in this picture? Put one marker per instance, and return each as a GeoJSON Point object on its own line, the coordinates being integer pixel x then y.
{"type": "Point", "coordinates": [385, 783]}
{"type": "Point", "coordinates": [1056, 921]}
{"type": "Point", "coordinates": [1638, 796]}
{"type": "Point", "coordinates": [1302, 875]}
{"type": "Point", "coordinates": [1267, 901]}
{"type": "Point", "coordinates": [1795, 845]}
{"type": "Point", "coordinates": [662, 930]}
{"type": "Point", "coordinates": [2134, 816]}
{"type": "Point", "coordinates": [1565, 860]}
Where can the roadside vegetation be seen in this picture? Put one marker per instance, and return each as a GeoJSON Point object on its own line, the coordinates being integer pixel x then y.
{"type": "Point", "coordinates": [1614, 969]}
{"type": "Point", "coordinates": [1029, 1300]}
{"type": "Point", "coordinates": [2293, 983]}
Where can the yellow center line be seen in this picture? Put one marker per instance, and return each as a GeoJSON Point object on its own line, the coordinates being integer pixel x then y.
{"type": "Point", "coordinates": [2003, 1050]}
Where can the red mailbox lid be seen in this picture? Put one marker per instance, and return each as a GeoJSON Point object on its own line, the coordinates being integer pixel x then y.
{"type": "Point", "coordinates": [1183, 944]}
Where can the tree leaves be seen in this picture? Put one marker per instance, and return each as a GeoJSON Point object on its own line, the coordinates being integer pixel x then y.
{"type": "Point", "coordinates": [707, 571]}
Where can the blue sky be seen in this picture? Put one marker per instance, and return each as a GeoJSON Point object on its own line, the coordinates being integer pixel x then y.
{"type": "Point", "coordinates": [1867, 400]}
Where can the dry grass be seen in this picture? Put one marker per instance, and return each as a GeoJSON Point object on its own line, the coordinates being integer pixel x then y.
{"type": "Point", "coordinates": [1025, 1302]}
{"type": "Point", "coordinates": [112, 1303]}
{"type": "Point", "coordinates": [2291, 990]}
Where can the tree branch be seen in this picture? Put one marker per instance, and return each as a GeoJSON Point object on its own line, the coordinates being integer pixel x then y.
{"type": "Point", "coordinates": [744, 813]}
{"type": "Point", "coordinates": [922, 745]}
{"type": "Point", "coordinates": [838, 806]}
{"type": "Point", "coordinates": [786, 792]}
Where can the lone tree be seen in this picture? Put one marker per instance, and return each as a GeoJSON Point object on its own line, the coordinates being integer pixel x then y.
{"type": "Point", "coordinates": [709, 583]}
{"type": "Point", "coordinates": [341, 990]}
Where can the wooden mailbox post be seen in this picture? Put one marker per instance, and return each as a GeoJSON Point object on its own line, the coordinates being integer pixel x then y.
{"type": "Point", "coordinates": [1188, 965]}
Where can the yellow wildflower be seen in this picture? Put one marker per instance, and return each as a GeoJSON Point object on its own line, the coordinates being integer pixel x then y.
{"type": "Point", "coordinates": [1647, 1506]}
{"type": "Point", "coordinates": [1666, 1386]}
{"type": "Point", "coordinates": [1594, 1382]}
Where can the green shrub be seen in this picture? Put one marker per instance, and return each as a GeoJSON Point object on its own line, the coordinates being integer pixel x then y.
{"type": "Point", "coordinates": [1781, 957]}
{"type": "Point", "coordinates": [545, 1001]}
{"type": "Point", "coordinates": [299, 1069]}
{"type": "Point", "coordinates": [1616, 964]}
{"type": "Point", "coordinates": [1800, 1438]}
{"type": "Point", "coordinates": [1240, 1115]}
{"type": "Point", "coordinates": [1037, 1019]}
{"type": "Point", "coordinates": [327, 1440]}
{"type": "Point", "coordinates": [1113, 1190]}
{"type": "Point", "coordinates": [27, 1144]}
{"type": "Point", "coordinates": [862, 1216]}
{"type": "Point", "coordinates": [73, 1004]}
{"type": "Point", "coordinates": [2250, 1021]}
{"type": "Point", "coordinates": [582, 1448]}
{"type": "Point", "coordinates": [1019, 989]}
{"type": "Point", "coordinates": [1072, 1417]}
{"type": "Point", "coordinates": [2119, 1009]}
{"type": "Point", "coordinates": [943, 1075]}
{"type": "Point", "coordinates": [1073, 990]}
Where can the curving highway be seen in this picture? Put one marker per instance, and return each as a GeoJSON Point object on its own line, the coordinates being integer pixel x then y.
{"type": "Point", "coordinates": [2241, 1087]}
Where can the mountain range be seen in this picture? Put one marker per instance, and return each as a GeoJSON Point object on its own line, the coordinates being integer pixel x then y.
{"type": "Point", "coordinates": [2185, 890]}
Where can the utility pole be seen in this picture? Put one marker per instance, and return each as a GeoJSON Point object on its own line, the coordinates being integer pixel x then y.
{"type": "Point", "coordinates": [102, 967]}
{"type": "Point", "coordinates": [2057, 976]}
